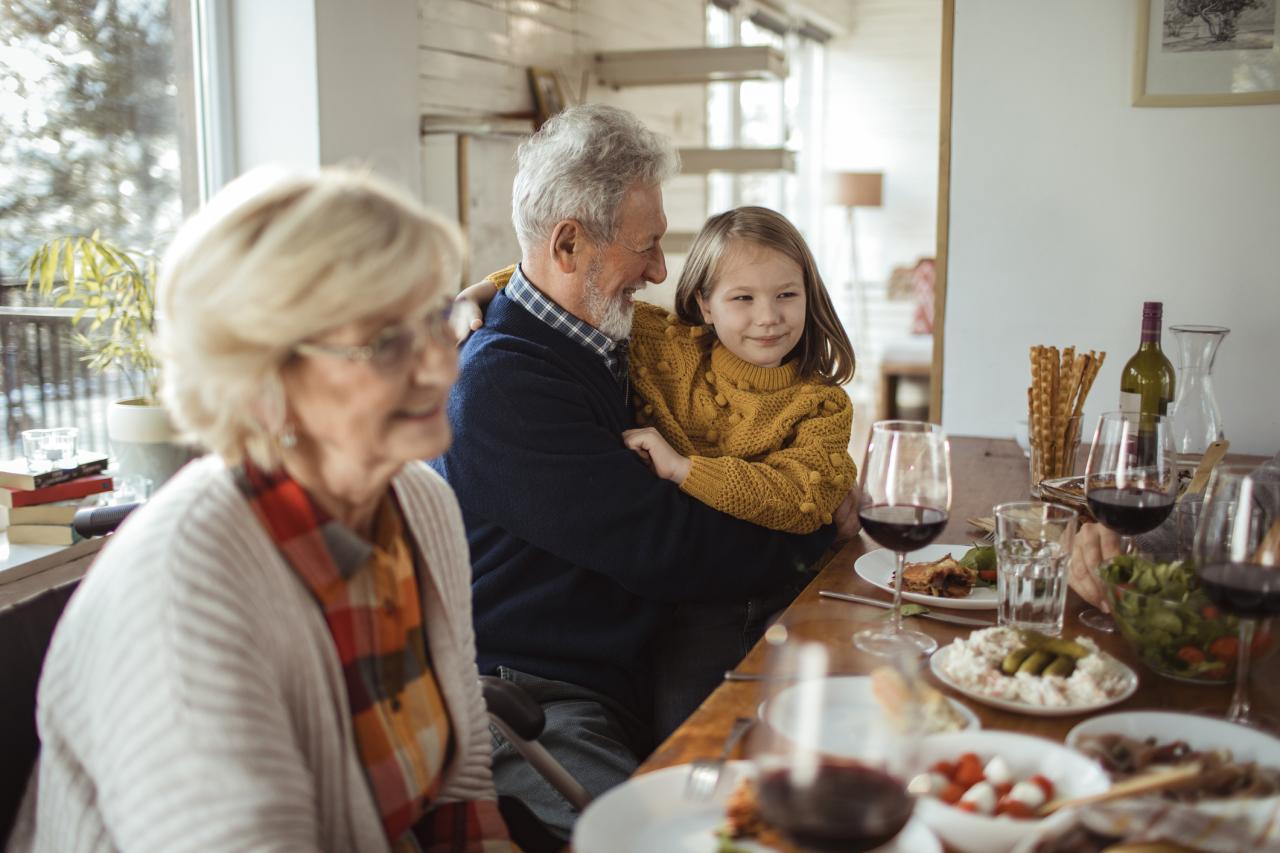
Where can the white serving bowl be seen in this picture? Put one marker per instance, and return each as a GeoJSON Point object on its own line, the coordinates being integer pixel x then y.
{"type": "Point", "coordinates": [1072, 775]}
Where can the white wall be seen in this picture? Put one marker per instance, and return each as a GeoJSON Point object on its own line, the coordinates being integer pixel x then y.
{"type": "Point", "coordinates": [883, 90]}
{"type": "Point", "coordinates": [321, 82]}
{"type": "Point", "coordinates": [1069, 207]}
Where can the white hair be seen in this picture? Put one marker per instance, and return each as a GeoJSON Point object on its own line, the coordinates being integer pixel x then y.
{"type": "Point", "coordinates": [274, 259]}
{"type": "Point", "coordinates": [579, 166]}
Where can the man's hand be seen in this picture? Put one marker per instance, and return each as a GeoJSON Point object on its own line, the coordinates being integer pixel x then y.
{"type": "Point", "coordinates": [1093, 544]}
{"type": "Point", "coordinates": [662, 457]}
{"type": "Point", "coordinates": [846, 516]}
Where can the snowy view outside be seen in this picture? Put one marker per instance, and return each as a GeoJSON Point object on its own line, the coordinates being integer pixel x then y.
{"type": "Point", "coordinates": [88, 140]}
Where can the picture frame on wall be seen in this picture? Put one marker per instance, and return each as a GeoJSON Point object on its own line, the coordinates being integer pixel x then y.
{"type": "Point", "coordinates": [1207, 53]}
{"type": "Point", "coordinates": [548, 96]}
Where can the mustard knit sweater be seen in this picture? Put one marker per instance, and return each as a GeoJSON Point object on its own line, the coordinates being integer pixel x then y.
{"type": "Point", "coordinates": [766, 447]}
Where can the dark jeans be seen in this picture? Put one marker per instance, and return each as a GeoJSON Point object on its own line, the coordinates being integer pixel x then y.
{"type": "Point", "coordinates": [598, 741]}
{"type": "Point", "coordinates": [699, 643]}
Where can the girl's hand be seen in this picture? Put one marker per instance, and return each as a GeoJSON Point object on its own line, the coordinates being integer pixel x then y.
{"type": "Point", "coordinates": [1093, 543]}
{"type": "Point", "coordinates": [662, 458]}
{"type": "Point", "coordinates": [481, 294]}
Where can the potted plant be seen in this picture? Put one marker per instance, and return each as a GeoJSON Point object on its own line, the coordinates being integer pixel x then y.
{"type": "Point", "coordinates": [114, 290]}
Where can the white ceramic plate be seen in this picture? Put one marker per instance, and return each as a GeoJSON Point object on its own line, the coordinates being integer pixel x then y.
{"type": "Point", "coordinates": [1261, 814]}
{"type": "Point", "coordinates": [939, 660]}
{"type": "Point", "coordinates": [651, 814]}
{"type": "Point", "coordinates": [877, 568]}
{"type": "Point", "coordinates": [846, 700]}
{"type": "Point", "coordinates": [1199, 732]}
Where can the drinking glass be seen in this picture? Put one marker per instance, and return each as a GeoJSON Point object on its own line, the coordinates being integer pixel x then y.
{"type": "Point", "coordinates": [1237, 553]}
{"type": "Point", "coordinates": [819, 786]}
{"type": "Point", "coordinates": [46, 449]}
{"type": "Point", "coordinates": [1130, 482]}
{"type": "Point", "coordinates": [906, 494]}
{"type": "Point", "coordinates": [1033, 548]}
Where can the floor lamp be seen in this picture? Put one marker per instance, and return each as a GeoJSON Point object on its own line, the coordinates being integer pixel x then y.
{"type": "Point", "coordinates": [854, 190]}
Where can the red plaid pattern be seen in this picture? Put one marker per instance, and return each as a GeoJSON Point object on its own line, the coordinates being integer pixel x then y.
{"type": "Point", "coordinates": [368, 593]}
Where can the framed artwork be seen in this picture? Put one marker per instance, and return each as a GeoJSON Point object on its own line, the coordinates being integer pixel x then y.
{"type": "Point", "coordinates": [548, 97]}
{"type": "Point", "coordinates": [1206, 53]}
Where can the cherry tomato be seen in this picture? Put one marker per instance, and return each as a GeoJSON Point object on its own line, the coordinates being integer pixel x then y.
{"type": "Point", "coordinates": [946, 768]}
{"type": "Point", "coordinates": [1013, 808]}
{"type": "Point", "coordinates": [968, 807]}
{"type": "Point", "coordinates": [1190, 654]}
{"type": "Point", "coordinates": [1003, 790]}
{"type": "Point", "coordinates": [968, 770]}
{"type": "Point", "coordinates": [1209, 612]}
{"type": "Point", "coordinates": [1224, 648]}
{"type": "Point", "coordinates": [952, 793]}
{"type": "Point", "coordinates": [1045, 785]}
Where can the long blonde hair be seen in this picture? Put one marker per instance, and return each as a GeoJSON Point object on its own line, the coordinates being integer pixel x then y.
{"type": "Point", "coordinates": [824, 351]}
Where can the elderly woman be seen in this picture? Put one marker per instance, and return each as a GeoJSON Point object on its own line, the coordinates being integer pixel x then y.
{"type": "Point", "coordinates": [276, 652]}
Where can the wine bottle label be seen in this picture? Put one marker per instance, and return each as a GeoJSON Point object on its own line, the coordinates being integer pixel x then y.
{"type": "Point", "coordinates": [1130, 403]}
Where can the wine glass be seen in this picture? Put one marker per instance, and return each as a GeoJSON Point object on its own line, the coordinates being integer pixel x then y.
{"type": "Point", "coordinates": [831, 773]}
{"type": "Point", "coordinates": [1237, 553]}
{"type": "Point", "coordinates": [906, 494]}
{"type": "Point", "coordinates": [1130, 482]}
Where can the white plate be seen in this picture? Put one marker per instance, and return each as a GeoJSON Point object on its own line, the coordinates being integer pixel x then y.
{"type": "Point", "coordinates": [939, 660]}
{"type": "Point", "coordinates": [1260, 814]}
{"type": "Point", "coordinates": [877, 568]}
{"type": "Point", "coordinates": [651, 814]}
{"type": "Point", "coordinates": [1199, 732]}
{"type": "Point", "coordinates": [846, 701]}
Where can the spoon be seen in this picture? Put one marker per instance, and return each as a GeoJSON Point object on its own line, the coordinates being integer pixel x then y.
{"type": "Point", "coordinates": [1212, 456]}
{"type": "Point", "coordinates": [1144, 784]}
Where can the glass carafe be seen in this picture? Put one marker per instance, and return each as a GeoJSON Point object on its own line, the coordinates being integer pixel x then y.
{"type": "Point", "coordinates": [1197, 422]}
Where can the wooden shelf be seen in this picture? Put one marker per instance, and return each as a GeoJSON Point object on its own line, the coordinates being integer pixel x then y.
{"type": "Point", "coordinates": [700, 161]}
{"type": "Point", "coordinates": [619, 68]}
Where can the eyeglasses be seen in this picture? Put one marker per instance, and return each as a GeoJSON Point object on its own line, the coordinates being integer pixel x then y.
{"type": "Point", "coordinates": [393, 347]}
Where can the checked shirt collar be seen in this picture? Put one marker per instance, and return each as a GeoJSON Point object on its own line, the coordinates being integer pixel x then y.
{"type": "Point", "coordinates": [614, 353]}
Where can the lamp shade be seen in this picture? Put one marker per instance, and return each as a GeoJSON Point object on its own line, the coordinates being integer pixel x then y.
{"type": "Point", "coordinates": [858, 189]}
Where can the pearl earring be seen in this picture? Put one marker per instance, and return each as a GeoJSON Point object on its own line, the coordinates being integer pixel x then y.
{"type": "Point", "coordinates": [288, 438]}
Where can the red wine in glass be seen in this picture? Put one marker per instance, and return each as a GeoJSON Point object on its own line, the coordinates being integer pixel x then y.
{"type": "Point", "coordinates": [1130, 511]}
{"type": "Point", "coordinates": [1248, 590]}
{"type": "Point", "coordinates": [902, 528]}
{"type": "Point", "coordinates": [846, 807]}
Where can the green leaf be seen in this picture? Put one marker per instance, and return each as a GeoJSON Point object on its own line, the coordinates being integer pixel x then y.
{"type": "Point", "coordinates": [914, 609]}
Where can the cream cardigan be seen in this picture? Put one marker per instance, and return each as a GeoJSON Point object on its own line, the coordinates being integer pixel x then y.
{"type": "Point", "coordinates": [192, 698]}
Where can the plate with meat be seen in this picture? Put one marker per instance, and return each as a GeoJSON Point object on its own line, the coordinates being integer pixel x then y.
{"type": "Point", "coordinates": [957, 576]}
{"type": "Point", "coordinates": [652, 813]}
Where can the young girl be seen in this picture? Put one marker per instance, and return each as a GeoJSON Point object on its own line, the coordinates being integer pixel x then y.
{"type": "Point", "coordinates": [742, 386]}
{"type": "Point", "coordinates": [738, 392]}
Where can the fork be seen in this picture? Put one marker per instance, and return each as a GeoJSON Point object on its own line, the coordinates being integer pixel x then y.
{"type": "Point", "coordinates": [705, 773]}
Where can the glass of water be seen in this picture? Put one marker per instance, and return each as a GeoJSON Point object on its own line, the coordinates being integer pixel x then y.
{"type": "Point", "coordinates": [46, 449]}
{"type": "Point", "coordinates": [1033, 550]}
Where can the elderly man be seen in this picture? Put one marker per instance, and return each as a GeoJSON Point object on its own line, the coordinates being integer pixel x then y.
{"type": "Point", "coordinates": [579, 552]}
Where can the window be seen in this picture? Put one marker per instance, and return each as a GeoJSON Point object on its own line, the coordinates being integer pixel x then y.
{"type": "Point", "coordinates": [96, 102]}
{"type": "Point", "coordinates": [770, 114]}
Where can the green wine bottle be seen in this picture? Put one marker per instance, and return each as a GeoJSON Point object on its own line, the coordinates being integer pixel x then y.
{"type": "Point", "coordinates": [1147, 380]}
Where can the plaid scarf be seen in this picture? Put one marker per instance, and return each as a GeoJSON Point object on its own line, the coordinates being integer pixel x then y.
{"type": "Point", "coordinates": [368, 594]}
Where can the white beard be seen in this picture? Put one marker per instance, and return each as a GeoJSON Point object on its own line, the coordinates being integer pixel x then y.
{"type": "Point", "coordinates": [610, 314]}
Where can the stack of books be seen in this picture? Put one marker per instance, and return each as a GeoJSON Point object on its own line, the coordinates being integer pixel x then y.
{"type": "Point", "coordinates": [42, 504]}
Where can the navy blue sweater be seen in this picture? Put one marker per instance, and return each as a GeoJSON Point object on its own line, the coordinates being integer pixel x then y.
{"type": "Point", "coordinates": [578, 550]}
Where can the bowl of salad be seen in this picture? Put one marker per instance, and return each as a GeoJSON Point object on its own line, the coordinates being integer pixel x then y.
{"type": "Point", "coordinates": [1170, 623]}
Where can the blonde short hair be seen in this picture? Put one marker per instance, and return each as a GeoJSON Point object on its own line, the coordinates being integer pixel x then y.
{"type": "Point", "coordinates": [274, 259]}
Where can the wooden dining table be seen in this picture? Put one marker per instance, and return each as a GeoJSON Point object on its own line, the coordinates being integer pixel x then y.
{"type": "Point", "coordinates": [984, 472]}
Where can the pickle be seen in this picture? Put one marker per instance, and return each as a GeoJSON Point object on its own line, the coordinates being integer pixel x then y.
{"type": "Point", "coordinates": [1014, 659]}
{"type": "Point", "coordinates": [1062, 665]}
{"type": "Point", "coordinates": [1038, 660]}
{"type": "Point", "coordinates": [1055, 645]}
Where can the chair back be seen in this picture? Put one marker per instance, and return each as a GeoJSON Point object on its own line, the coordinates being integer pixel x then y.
{"type": "Point", "coordinates": [25, 631]}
